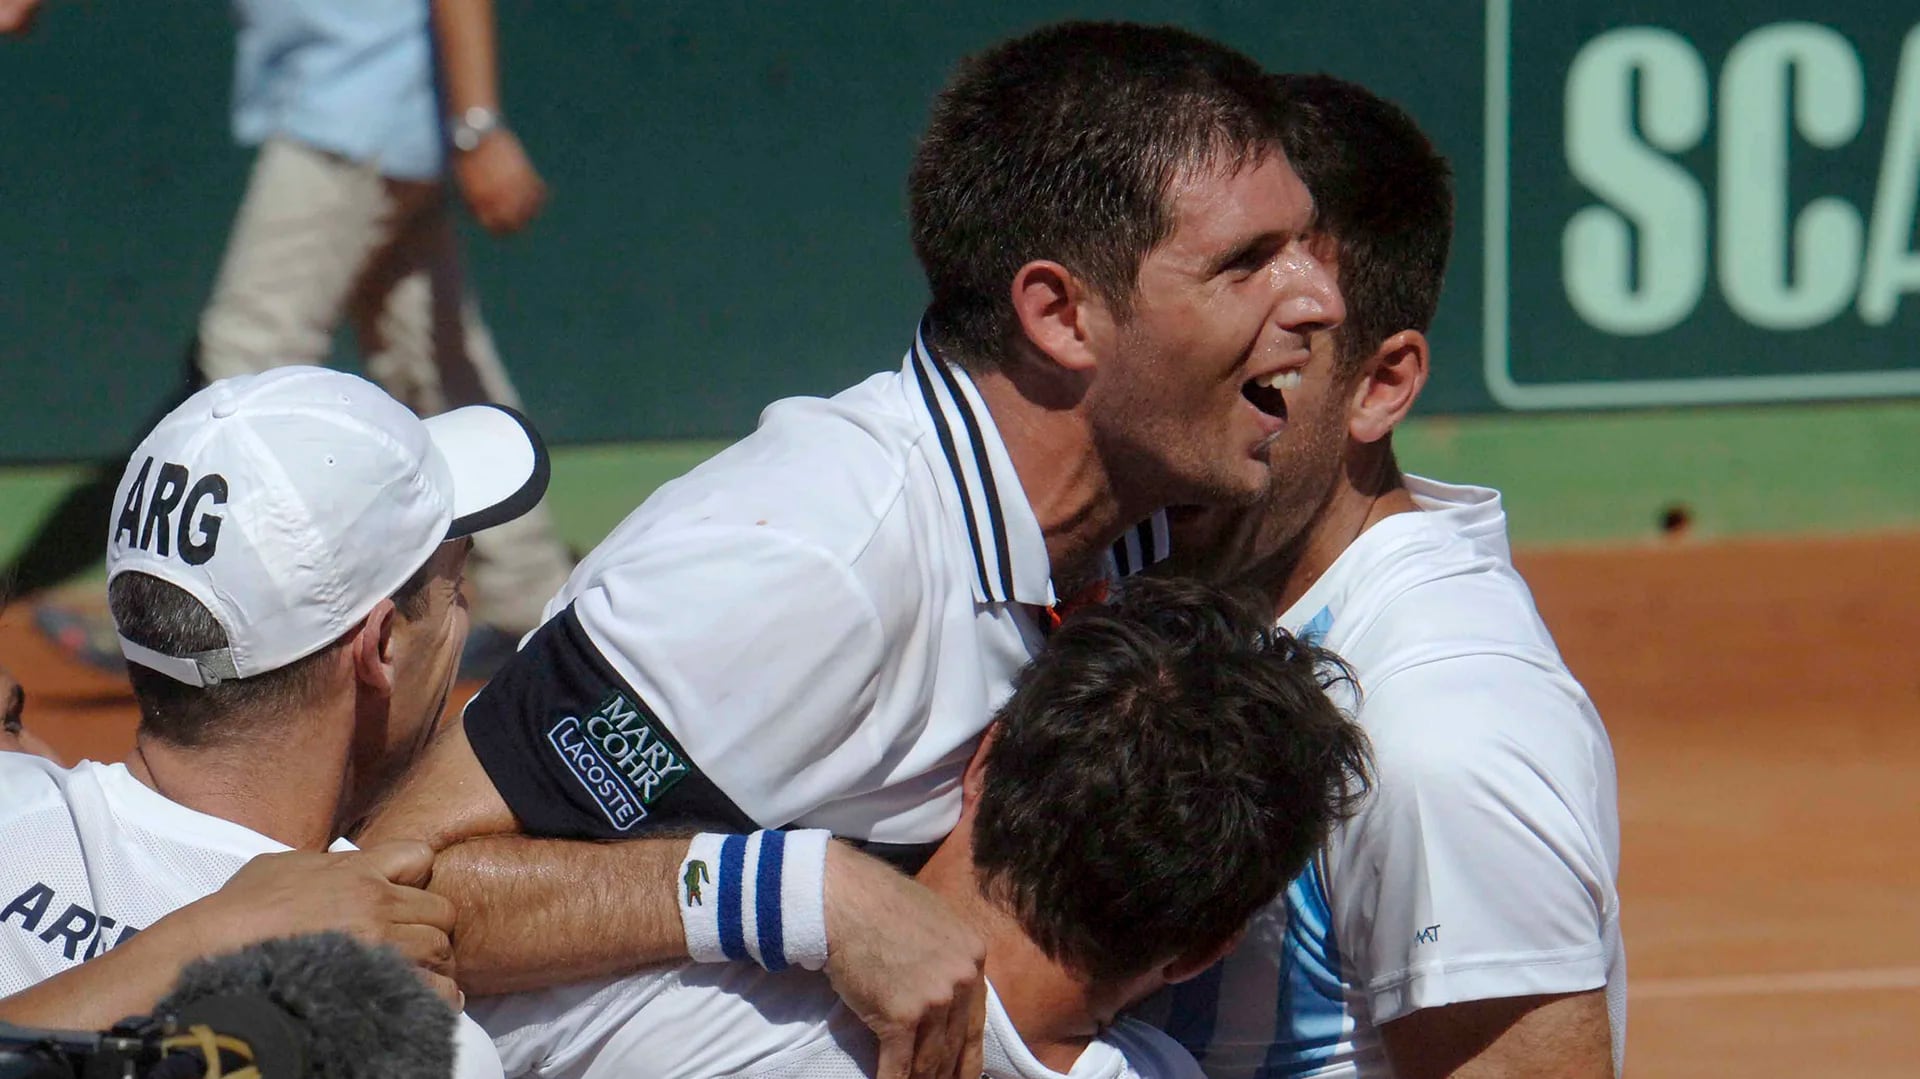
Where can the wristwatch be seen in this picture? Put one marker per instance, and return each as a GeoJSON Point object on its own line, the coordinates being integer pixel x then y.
{"type": "Point", "coordinates": [473, 125]}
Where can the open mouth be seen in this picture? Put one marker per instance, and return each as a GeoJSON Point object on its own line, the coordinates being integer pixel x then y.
{"type": "Point", "coordinates": [1265, 393]}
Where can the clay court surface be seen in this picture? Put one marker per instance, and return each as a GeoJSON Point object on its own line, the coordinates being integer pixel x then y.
{"type": "Point", "coordinates": [1764, 701]}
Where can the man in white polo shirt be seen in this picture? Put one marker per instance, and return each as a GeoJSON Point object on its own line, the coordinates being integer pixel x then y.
{"type": "Point", "coordinates": [1165, 766]}
{"type": "Point", "coordinates": [1466, 919]}
{"type": "Point", "coordinates": [813, 628]}
{"type": "Point", "coordinates": [284, 573]}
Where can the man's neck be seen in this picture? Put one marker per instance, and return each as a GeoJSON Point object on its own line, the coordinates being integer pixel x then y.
{"type": "Point", "coordinates": [289, 790]}
{"type": "Point", "coordinates": [1065, 480]}
{"type": "Point", "coordinates": [1367, 492]}
{"type": "Point", "coordinates": [1055, 1011]}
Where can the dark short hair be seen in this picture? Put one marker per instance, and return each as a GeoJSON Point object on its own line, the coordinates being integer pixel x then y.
{"type": "Point", "coordinates": [1063, 144]}
{"type": "Point", "coordinates": [1382, 193]}
{"type": "Point", "coordinates": [166, 618]}
{"type": "Point", "coordinates": [1161, 771]}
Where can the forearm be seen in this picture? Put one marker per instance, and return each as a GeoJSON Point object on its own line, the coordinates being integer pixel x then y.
{"type": "Point", "coordinates": [541, 912]}
{"type": "Point", "coordinates": [126, 980]}
{"type": "Point", "coordinates": [469, 73]}
{"type": "Point", "coordinates": [1566, 1036]}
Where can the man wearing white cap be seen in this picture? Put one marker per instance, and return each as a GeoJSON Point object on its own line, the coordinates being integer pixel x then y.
{"type": "Point", "coordinates": [284, 572]}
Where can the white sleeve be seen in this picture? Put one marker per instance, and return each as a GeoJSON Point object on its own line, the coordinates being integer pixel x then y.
{"type": "Point", "coordinates": [757, 648]}
{"type": "Point", "coordinates": [556, 1032]}
{"type": "Point", "coordinates": [1483, 864]}
{"type": "Point", "coordinates": [679, 1022]}
{"type": "Point", "coordinates": [713, 675]}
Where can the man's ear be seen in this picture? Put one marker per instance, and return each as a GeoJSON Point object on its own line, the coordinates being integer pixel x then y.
{"type": "Point", "coordinates": [1389, 382]}
{"type": "Point", "coordinates": [374, 648]}
{"type": "Point", "coordinates": [1060, 316]}
{"type": "Point", "coordinates": [1195, 963]}
{"type": "Point", "coordinates": [975, 777]}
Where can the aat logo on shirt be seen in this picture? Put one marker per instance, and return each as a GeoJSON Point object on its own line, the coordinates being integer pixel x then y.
{"type": "Point", "coordinates": [619, 757]}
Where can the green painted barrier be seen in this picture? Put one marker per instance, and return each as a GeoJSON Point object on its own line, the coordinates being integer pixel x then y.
{"type": "Point", "coordinates": [1659, 203]}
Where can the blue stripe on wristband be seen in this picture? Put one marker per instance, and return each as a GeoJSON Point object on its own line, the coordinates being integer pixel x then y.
{"type": "Point", "coordinates": [733, 860]}
{"type": "Point", "coordinates": [766, 900]}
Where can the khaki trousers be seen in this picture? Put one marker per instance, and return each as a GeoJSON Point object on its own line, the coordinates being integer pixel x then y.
{"type": "Point", "coordinates": [319, 239]}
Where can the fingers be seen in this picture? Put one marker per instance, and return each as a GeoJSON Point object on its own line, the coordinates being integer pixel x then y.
{"type": "Point", "coordinates": [906, 966]}
{"type": "Point", "coordinates": [515, 209]}
{"type": "Point", "coordinates": [425, 947]}
{"type": "Point", "coordinates": [16, 16]}
{"type": "Point", "coordinates": [407, 905]}
{"type": "Point", "coordinates": [896, 1053]}
{"type": "Point", "coordinates": [966, 1020]}
{"type": "Point", "coordinates": [445, 988]}
{"type": "Point", "coordinates": [402, 861]}
{"type": "Point", "coordinates": [934, 1056]}
{"type": "Point", "coordinates": [407, 865]}
{"type": "Point", "coordinates": [500, 184]}
{"type": "Point", "coordinates": [972, 1062]}
{"type": "Point", "coordinates": [957, 1054]}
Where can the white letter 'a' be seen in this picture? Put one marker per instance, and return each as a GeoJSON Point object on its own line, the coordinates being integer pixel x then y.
{"type": "Point", "coordinates": [1767, 283]}
{"type": "Point", "coordinates": [1649, 198]}
{"type": "Point", "coordinates": [1893, 267]}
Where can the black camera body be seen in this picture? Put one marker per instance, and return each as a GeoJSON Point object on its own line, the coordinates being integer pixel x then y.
{"type": "Point", "coordinates": [131, 1050]}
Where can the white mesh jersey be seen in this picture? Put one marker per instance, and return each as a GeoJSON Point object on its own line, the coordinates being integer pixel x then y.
{"type": "Point", "coordinates": [703, 1020]}
{"type": "Point", "coordinates": [93, 856]}
{"type": "Point", "coordinates": [1484, 863]}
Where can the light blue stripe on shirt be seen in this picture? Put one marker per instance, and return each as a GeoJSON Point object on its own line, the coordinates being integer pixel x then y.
{"type": "Point", "coordinates": [1310, 1023]}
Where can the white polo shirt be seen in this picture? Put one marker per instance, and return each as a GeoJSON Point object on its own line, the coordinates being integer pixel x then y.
{"type": "Point", "coordinates": [698, 1021]}
{"type": "Point", "coordinates": [811, 629]}
{"type": "Point", "coordinates": [1484, 863]}
{"type": "Point", "coordinates": [93, 856]}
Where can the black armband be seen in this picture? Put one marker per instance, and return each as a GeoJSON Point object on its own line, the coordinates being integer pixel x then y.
{"type": "Point", "coordinates": [576, 753]}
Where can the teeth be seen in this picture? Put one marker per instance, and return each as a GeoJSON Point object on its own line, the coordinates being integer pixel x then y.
{"type": "Point", "coordinates": [1279, 380]}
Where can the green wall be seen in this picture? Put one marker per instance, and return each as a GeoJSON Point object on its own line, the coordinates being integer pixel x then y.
{"type": "Point", "coordinates": [1607, 478]}
{"type": "Point", "coordinates": [726, 224]}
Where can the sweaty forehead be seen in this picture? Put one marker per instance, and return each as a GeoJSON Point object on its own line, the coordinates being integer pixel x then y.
{"type": "Point", "coordinates": [1224, 202]}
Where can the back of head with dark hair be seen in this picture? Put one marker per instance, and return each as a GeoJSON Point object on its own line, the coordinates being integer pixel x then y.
{"type": "Point", "coordinates": [1385, 196]}
{"type": "Point", "coordinates": [1161, 771]}
{"type": "Point", "coordinates": [1062, 144]}
{"type": "Point", "coordinates": [166, 618]}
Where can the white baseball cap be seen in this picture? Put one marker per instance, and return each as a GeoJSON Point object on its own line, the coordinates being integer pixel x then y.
{"type": "Point", "coordinates": [290, 502]}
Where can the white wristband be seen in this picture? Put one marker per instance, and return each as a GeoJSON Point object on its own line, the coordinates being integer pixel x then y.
{"type": "Point", "coordinates": [761, 897]}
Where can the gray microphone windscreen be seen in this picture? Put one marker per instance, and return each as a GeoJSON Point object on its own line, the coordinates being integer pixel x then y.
{"type": "Point", "coordinates": [361, 1012]}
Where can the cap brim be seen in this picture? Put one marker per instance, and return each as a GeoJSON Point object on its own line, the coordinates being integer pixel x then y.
{"type": "Point", "coordinates": [499, 465]}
